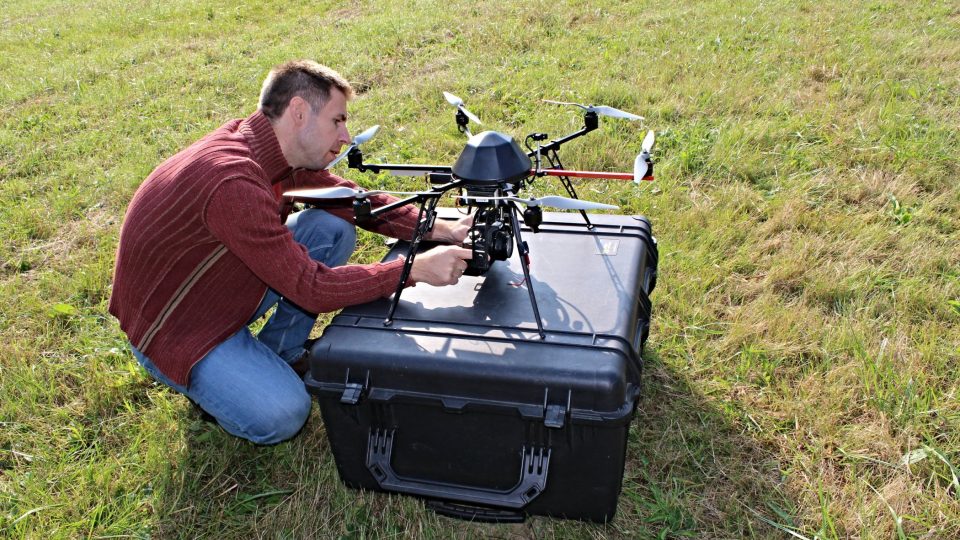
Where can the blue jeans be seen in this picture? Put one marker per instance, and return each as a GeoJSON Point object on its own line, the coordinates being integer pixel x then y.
{"type": "Point", "coordinates": [246, 382]}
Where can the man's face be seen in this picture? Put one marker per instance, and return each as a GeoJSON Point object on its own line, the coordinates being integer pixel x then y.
{"type": "Point", "coordinates": [324, 132]}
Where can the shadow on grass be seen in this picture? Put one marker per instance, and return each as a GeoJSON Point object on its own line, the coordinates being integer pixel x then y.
{"type": "Point", "coordinates": [689, 473]}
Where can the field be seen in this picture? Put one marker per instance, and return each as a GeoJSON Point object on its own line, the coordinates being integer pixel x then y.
{"type": "Point", "coordinates": [801, 377]}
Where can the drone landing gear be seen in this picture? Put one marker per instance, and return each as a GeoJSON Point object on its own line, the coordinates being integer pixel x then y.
{"type": "Point", "coordinates": [425, 221]}
{"type": "Point", "coordinates": [554, 159]}
{"type": "Point", "coordinates": [428, 214]}
{"type": "Point", "coordinates": [524, 252]}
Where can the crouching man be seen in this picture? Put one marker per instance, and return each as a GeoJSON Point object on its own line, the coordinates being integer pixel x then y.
{"type": "Point", "coordinates": [204, 252]}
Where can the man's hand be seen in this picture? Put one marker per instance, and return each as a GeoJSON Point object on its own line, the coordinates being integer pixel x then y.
{"type": "Point", "coordinates": [442, 265]}
{"type": "Point", "coordinates": [451, 232]}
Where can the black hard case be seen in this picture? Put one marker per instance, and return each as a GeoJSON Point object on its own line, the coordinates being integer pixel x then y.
{"type": "Point", "coordinates": [459, 400]}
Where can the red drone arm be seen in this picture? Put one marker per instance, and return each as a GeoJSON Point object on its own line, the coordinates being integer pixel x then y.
{"type": "Point", "coordinates": [591, 174]}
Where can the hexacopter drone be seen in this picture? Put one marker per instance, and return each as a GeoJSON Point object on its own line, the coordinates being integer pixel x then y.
{"type": "Point", "coordinates": [489, 173]}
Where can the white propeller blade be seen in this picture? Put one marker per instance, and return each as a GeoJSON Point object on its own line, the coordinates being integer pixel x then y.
{"type": "Point", "coordinates": [639, 167]}
{"type": "Point", "coordinates": [552, 201]}
{"type": "Point", "coordinates": [615, 113]}
{"type": "Point", "coordinates": [640, 164]}
{"type": "Point", "coordinates": [648, 141]}
{"type": "Point", "coordinates": [341, 192]}
{"type": "Point", "coordinates": [357, 141]}
{"type": "Point", "coordinates": [458, 103]}
{"type": "Point", "coordinates": [341, 156]}
{"type": "Point", "coordinates": [569, 204]}
{"type": "Point", "coordinates": [366, 135]}
{"type": "Point", "coordinates": [452, 99]}
{"type": "Point", "coordinates": [602, 110]}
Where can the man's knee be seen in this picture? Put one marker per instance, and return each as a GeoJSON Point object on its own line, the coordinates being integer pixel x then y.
{"type": "Point", "coordinates": [346, 233]}
{"type": "Point", "coordinates": [319, 229]}
{"type": "Point", "coordinates": [279, 418]}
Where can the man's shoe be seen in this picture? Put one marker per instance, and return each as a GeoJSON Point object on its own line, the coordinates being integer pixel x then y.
{"type": "Point", "coordinates": [302, 364]}
{"type": "Point", "coordinates": [204, 415]}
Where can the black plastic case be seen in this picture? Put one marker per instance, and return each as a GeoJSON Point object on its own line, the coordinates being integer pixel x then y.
{"type": "Point", "coordinates": [461, 402]}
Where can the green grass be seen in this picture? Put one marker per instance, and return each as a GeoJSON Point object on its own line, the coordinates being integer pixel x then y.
{"type": "Point", "coordinates": [801, 376]}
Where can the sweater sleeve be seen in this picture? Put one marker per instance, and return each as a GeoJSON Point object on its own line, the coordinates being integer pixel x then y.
{"type": "Point", "coordinates": [399, 223]}
{"type": "Point", "coordinates": [242, 214]}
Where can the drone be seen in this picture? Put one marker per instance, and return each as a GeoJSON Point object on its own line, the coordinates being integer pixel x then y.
{"type": "Point", "coordinates": [488, 175]}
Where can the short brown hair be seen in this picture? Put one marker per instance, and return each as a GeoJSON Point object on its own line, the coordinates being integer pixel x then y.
{"type": "Point", "coordinates": [305, 78]}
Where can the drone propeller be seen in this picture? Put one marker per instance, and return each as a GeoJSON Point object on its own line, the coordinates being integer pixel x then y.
{"type": "Point", "coordinates": [640, 166]}
{"type": "Point", "coordinates": [357, 141]}
{"type": "Point", "coordinates": [341, 192]}
{"type": "Point", "coordinates": [552, 201]}
{"type": "Point", "coordinates": [602, 110]}
{"type": "Point", "coordinates": [458, 103]}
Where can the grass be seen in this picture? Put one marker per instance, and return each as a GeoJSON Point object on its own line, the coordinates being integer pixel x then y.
{"type": "Point", "coordinates": [801, 370]}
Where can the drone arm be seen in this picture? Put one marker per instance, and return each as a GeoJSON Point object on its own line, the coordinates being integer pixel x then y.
{"type": "Point", "coordinates": [590, 123]}
{"type": "Point", "coordinates": [418, 198]}
{"type": "Point", "coordinates": [355, 161]}
{"type": "Point", "coordinates": [603, 175]}
{"type": "Point", "coordinates": [394, 205]}
{"type": "Point", "coordinates": [396, 225]}
{"type": "Point", "coordinates": [401, 168]}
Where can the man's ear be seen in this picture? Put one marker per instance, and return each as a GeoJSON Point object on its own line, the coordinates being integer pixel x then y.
{"type": "Point", "coordinates": [299, 109]}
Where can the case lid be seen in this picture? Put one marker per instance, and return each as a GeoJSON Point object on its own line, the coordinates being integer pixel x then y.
{"type": "Point", "coordinates": [476, 343]}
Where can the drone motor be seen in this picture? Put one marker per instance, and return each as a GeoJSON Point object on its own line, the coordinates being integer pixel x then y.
{"type": "Point", "coordinates": [533, 217]}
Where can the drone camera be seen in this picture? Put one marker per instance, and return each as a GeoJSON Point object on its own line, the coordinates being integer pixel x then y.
{"type": "Point", "coordinates": [490, 239]}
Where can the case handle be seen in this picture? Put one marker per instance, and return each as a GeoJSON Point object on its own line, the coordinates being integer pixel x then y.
{"type": "Point", "coordinates": [533, 477]}
{"type": "Point", "coordinates": [477, 514]}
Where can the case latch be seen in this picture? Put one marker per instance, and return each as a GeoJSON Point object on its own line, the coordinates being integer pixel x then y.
{"type": "Point", "coordinates": [352, 392]}
{"type": "Point", "coordinates": [554, 415]}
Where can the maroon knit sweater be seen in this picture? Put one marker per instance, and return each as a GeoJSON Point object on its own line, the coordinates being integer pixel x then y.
{"type": "Point", "coordinates": [202, 241]}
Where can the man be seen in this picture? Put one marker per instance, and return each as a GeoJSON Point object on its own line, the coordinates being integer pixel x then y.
{"type": "Point", "coordinates": [203, 253]}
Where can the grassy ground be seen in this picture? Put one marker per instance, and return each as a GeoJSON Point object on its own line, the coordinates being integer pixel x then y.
{"type": "Point", "coordinates": [802, 366]}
